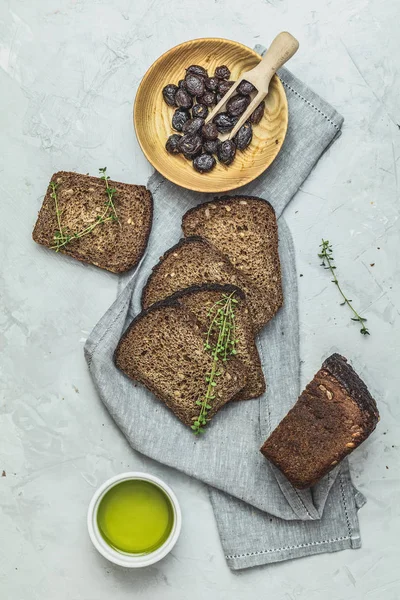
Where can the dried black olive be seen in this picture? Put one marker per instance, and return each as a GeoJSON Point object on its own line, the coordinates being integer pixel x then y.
{"type": "Point", "coordinates": [245, 87]}
{"type": "Point", "coordinates": [209, 131]}
{"type": "Point", "coordinates": [193, 125]}
{"type": "Point", "coordinates": [244, 136]}
{"type": "Point", "coordinates": [258, 113]}
{"type": "Point", "coordinates": [227, 151]}
{"type": "Point", "coordinates": [190, 145]}
{"type": "Point", "coordinates": [169, 93]}
{"type": "Point", "coordinates": [197, 70]}
{"type": "Point", "coordinates": [224, 86]}
{"type": "Point", "coordinates": [224, 122]}
{"type": "Point", "coordinates": [236, 105]}
{"type": "Point", "coordinates": [180, 117]}
{"type": "Point", "coordinates": [222, 72]}
{"type": "Point", "coordinates": [172, 143]}
{"type": "Point", "coordinates": [199, 92]}
{"type": "Point", "coordinates": [183, 99]}
{"type": "Point", "coordinates": [208, 98]}
{"type": "Point", "coordinates": [194, 84]}
{"type": "Point", "coordinates": [211, 83]}
{"type": "Point", "coordinates": [211, 146]}
{"type": "Point", "coordinates": [204, 163]}
{"type": "Point", "coordinates": [200, 110]}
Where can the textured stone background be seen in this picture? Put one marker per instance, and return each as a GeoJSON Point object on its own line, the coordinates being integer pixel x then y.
{"type": "Point", "coordinates": [69, 70]}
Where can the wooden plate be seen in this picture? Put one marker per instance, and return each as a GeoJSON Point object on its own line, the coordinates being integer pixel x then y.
{"type": "Point", "coordinates": [152, 116]}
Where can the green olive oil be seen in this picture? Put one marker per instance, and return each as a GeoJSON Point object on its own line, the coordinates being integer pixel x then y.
{"type": "Point", "coordinates": [135, 516]}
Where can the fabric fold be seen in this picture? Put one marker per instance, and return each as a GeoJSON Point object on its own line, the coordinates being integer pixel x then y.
{"type": "Point", "coordinates": [257, 539]}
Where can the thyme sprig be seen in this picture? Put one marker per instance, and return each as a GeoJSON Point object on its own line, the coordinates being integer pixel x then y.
{"type": "Point", "coordinates": [109, 191]}
{"type": "Point", "coordinates": [327, 259]}
{"type": "Point", "coordinates": [221, 343]}
{"type": "Point", "coordinates": [62, 236]}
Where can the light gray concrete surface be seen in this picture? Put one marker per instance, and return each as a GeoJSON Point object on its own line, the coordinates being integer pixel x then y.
{"type": "Point", "coordinates": [69, 70]}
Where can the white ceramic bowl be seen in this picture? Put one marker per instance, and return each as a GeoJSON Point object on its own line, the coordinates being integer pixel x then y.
{"type": "Point", "coordinates": [121, 558]}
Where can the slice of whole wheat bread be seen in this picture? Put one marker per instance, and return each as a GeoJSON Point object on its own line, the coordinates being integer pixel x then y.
{"type": "Point", "coordinates": [163, 348]}
{"type": "Point", "coordinates": [245, 229]}
{"type": "Point", "coordinates": [333, 415]}
{"type": "Point", "coordinates": [199, 300]}
{"type": "Point", "coordinates": [194, 261]}
{"type": "Point", "coordinates": [114, 245]}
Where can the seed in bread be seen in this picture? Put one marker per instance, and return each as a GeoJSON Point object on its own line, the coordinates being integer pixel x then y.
{"type": "Point", "coordinates": [245, 230]}
{"type": "Point", "coordinates": [333, 415]}
{"type": "Point", "coordinates": [163, 348]}
{"type": "Point", "coordinates": [116, 246]}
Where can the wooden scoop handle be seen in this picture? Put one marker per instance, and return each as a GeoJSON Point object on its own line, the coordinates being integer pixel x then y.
{"type": "Point", "coordinates": [281, 49]}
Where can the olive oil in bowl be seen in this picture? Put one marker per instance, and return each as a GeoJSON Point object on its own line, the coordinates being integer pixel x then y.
{"type": "Point", "coordinates": [135, 517]}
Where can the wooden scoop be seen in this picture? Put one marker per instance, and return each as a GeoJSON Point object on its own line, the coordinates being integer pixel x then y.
{"type": "Point", "coordinates": [281, 49]}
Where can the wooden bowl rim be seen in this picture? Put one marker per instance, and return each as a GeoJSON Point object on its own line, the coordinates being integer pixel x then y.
{"type": "Point", "coordinates": [154, 65]}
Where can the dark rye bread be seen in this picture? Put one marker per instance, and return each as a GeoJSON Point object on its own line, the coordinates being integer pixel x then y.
{"type": "Point", "coordinates": [163, 348]}
{"type": "Point", "coordinates": [199, 300]}
{"type": "Point", "coordinates": [114, 246]}
{"type": "Point", "coordinates": [333, 415]}
{"type": "Point", "coordinates": [194, 261]}
{"type": "Point", "coordinates": [245, 229]}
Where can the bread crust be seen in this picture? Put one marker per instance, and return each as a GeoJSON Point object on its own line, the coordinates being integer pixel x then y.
{"type": "Point", "coordinates": [159, 285]}
{"type": "Point", "coordinates": [183, 406]}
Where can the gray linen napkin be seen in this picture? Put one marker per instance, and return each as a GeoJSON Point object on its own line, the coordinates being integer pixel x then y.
{"type": "Point", "coordinates": [260, 516]}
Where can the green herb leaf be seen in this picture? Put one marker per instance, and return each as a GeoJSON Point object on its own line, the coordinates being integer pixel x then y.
{"type": "Point", "coordinates": [327, 260]}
